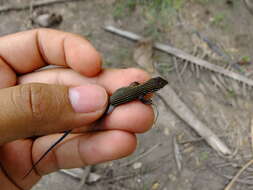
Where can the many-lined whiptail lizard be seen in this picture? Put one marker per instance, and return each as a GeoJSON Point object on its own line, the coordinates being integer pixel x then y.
{"type": "Point", "coordinates": [135, 91]}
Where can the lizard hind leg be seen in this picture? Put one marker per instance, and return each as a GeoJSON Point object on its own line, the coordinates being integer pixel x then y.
{"type": "Point", "coordinates": [134, 84]}
{"type": "Point", "coordinates": [145, 100]}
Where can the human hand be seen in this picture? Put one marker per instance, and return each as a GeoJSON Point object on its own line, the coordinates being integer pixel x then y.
{"type": "Point", "coordinates": [73, 97]}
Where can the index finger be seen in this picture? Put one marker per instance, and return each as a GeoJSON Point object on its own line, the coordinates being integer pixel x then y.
{"type": "Point", "coordinates": [27, 51]}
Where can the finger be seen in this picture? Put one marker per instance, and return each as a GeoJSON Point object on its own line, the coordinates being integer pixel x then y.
{"type": "Point", "coordinates": [35, 109]}
{"type": "Point", "coordinates": [133, 117]}
{"type": "Point", "coordinates": [81, 150]}
{"type": "Point", "coordinates": [60, 76]}
{"type": "Point", "coordinates": [140, 117]}
{"type": "Point", "coordinates": [6, 182]}
{"type": "Point", "coordinates": [116, 78]}
{"type": "Point", "coordinates": [111, 79]}
{"type": "Point", "coordinates": [27, 51]}
{"type": "Point", "coordinates": [75, 151]}
{"type": "Point", "coordinates": [7, 76]}
{"type": "Point", "coordinates": [15, 156]}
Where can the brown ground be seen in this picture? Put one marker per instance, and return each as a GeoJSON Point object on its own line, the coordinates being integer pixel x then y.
{"type": "Point", "coordinates": [226, 112]}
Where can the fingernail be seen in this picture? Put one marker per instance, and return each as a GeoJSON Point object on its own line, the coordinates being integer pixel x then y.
{"type": "Point", "coordinates": [87, 98]}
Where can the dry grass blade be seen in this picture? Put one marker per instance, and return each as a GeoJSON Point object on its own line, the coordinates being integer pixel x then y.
{"type": "Point", "coordinates": [141, 155]}
{"type": "Point", "coordinates": [220, 173]}
{"type": "Point", "coordinates": [177, 153]}
{"type": "Point", "coordinates": [229, 186]}
{"type": "Point", "coordinates": [131, 175]}
{"type": "Point", "coordinates": [177, 71]}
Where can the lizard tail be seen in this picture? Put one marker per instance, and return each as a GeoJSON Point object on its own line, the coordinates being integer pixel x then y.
{"type": "Point", "coordinates": [45, 153]}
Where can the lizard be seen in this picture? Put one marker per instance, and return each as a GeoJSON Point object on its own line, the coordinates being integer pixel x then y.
{"type": "Point", "coordinates": [135, 91]}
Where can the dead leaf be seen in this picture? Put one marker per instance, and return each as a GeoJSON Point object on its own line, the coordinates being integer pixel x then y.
{"type": "Point", "coordinates": [155, 186]}
{"type": "Point", "coordinates": [143, 55]}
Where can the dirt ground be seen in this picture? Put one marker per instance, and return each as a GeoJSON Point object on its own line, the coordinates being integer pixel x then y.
{"type": "Point", "coordinates": [224, 106]}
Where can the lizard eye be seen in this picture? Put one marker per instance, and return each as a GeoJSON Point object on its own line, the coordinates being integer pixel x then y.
{"type": "Point", "coordinates": [161, 82]}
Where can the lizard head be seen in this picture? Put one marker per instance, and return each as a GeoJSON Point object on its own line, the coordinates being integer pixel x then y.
{"type": "Point", "coordinates": [159, 82]}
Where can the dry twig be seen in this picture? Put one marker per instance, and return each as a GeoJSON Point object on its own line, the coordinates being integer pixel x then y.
{"type": "Point", "coordinates": [183, 55]}
{"type": "Point", "coordinates": [72, 174]}
{"type": "Point", "coordinates": [229, 186]}
{"type": "Point", "coordinates": [131, 175]}
{"type": "Point", "coordinates": [197, 140]}
{"type": "Point", "coordinates": [141, 155]}
{"type": "Point", "coordinates": [36, 4]}
{"type": "Point", "coordinates": [242, 181]}
{"type": "Point", "coordinates": [173, 101]}
{"type": "Point", "coordinates": [85, 174]}
{"type": "Point", "coordinates": [177, 154]}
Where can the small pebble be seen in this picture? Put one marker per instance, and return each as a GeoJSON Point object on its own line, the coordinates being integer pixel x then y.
{"type": "Point", "coordinates": [47, 19]}
{"type": "Point", "coordinates": [137, 165]}
{"type": "Point", "coordinates": [93, 177]}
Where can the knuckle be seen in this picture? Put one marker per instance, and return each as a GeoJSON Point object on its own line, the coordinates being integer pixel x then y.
{"type": "Point", "coordinates": [30, 99]}
{"type": "Point", "coordinates": [137, 74]}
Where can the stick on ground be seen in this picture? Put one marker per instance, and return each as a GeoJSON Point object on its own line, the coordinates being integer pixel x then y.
{"type": "Point", "coordinates": [229, 186]}
{"type": "Point", "coordinates": [86, 172]}
{"type": "Point", "coordinates": [183, 55]}
{"type": "Point", "coordinates": [36, 4]}
{"type": "Point", "coordinates": [177, 154]}
{"type": "Point", "coordinates": [173, 102]}
{"type": "Point", "coordinates": [141, 155]}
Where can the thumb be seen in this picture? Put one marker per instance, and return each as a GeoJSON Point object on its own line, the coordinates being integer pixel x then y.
{"type": "Point", "coordinates": [35, 109]}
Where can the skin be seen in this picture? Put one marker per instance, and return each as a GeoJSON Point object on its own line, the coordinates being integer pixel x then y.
{"type": "Point", "coordinates": [20, 55]}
